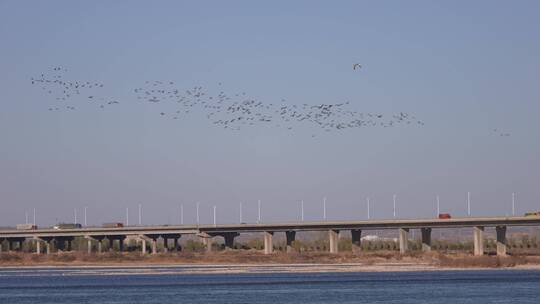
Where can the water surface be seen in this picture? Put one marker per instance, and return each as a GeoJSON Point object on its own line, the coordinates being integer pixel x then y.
{"type": "Point", "coordinates": [110, 286]}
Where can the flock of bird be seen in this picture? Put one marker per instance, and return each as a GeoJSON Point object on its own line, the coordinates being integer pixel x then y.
{"type": "Point", "coordinates": [229, 111]}
{"type": "Point", "coordinates": [501, 133]}
{"type": "Point", "coordinates": [65, 91]}
{"type": "Point", "coordinates": [238, 110]}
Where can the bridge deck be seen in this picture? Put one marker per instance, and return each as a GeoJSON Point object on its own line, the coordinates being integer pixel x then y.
{"type": "Point", "coordinates": [277, 227]}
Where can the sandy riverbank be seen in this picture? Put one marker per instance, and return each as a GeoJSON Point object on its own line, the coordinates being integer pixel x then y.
{"type": "Point", "coordinates": [240, 269]}
{"type": "Point", "coordinates": [255, 262]}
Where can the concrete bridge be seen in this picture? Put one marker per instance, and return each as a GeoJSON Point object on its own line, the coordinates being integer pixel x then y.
{"type": "Point", "coordinates": [230, 232]}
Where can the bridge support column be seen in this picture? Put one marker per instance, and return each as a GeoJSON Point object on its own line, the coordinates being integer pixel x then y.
{"type": "Point", "coordinates": [356, 236]}
{"type": "Point", "coordinates": [501, 240]}
{"type": "Point", "coordinates": [38, 246]}
{"type": "Point", "coordinates": [426, 239]}
{"type": "Point", "coordinates": [403, 240]}
{"type": "Point", "coordinates": [154, 246]}
{"type": "Point", "coordinates": [121, 244]}
{"type": "Point", "coordinates": [333, 236]}
{"type": "Point", "coordinates": [291, 236]}
{"type": "Point", "coordinates": [111, 243]}
{"type": "Point", "coordinates": [47, 241]}
{"type": "Point", "coordinates": [229, 239]}
{"type": "Point", "coordinates": [143, 246]}
{"type": "Point", "coordinates": [207, 241]}
{"type": "Point", "coordinates": [176, 244]}
{"type": "Point", "coordinates": [478, 240]}
{"type": "Point", "coordinates": [153, 239]}
{"type": "Point", "coordinates": [98, 239]}
{"type": "Point", "coordinates": [89, 246]}
{"type": "Point", "coordinates": [268, 244]}
{"type": "Point", "coordinates": [165, 244]}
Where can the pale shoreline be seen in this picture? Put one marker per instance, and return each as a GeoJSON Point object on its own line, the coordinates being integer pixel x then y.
{"type": "Point", "coordinates": [189, 269]}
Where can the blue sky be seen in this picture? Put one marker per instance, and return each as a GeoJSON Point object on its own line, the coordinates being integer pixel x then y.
{"type": "Point", "coordinates": [463, 67]}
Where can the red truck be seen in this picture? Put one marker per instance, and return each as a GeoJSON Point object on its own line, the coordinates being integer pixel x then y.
{"type": "Point", "coordinates": [112, 225]}
{"type": "Point", "coordinates": [444, 216]}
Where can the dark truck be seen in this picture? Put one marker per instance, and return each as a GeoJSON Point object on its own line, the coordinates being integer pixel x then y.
{"type": "Point", "coordinates": [112, 225]}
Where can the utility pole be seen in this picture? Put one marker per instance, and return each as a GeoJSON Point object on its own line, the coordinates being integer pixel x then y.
{"type": "Point", "coordinates": [302, 210]}
{"type": "Point", "coordinates": [438, 207]}
{"type": "Point", "coordinates": [198, 214]}
{"type": "Point", "coordinates": [181, 214]}
{"type": "Point", "coordinates": [259, 208]}
{"type": "Point", "coordinates": [26, 217]}
{"type": "Point", "coordinates": [241, 213]}
{"type": "Point", "coordinates": [34, 216]}
{"type": "Point", "coordinates": [324, 209]}
{"type": "Point", "coordinates": [140, 214]}
{"type": "Point", "coordinates": [127, 216]}
{"type": "Point", "coordinates": [75, 214]}
{"type": "Point", "coordinates": [469, 203]}
{"type": "Point", "coordinates": [394, 198]}
{"type": "Point", "coordinates": [368, 215]}
{"type": "Point", "coordinates": [215, 216]}
{"type": "Point", "coordinates": [513, 204]}
{"type": "Point", "coordinates": [85, 223]}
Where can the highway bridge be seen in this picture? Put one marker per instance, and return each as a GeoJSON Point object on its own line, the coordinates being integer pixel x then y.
{"type": "Point", "coordinates": [15, 238]}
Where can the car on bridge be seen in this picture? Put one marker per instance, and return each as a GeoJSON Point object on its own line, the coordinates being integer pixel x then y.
{"type": "Point", "coordinates": [532, 214]}
{"type": "Point", "coordinates": [444, 216]}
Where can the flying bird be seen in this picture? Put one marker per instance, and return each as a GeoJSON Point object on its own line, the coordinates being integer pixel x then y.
{"type": "Point", "coordinates": [356, 66]}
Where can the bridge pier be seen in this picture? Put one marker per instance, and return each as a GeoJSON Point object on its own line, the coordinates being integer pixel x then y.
{"type": "Point", "coordinates": [143, 246]}
{"type": "Point", "coordinates": [208, 241]}
{"type": "Point", "coordinates": [176, 244]}
{"type": "Point", "coordinates": [165, 243]}
{"type": "Point", "coordinates": [142, 239]}
{"type": "Point", "coordinates": [291, 236]}
{"type": "Point", "coordinates": [268, 244]}
{"type": "Point", "coordinates": [12, 242]}
{"type": "Point", "coordinates": [154, 246]}
{"type": "Point", "coordinates": [501, 240]}
{"type": "Point", "coordinates": [356, 238]}
{"type": "Point", "coordinates": [98, 239]}
{"type": "Point", "coordinates": [478, 232]}
{"type": "Point", "coordinates": [61, 243]}
{"type": "Point", "coordinates": [426, 239]}
{"type": "Point", "coordinates": [121, 243]}
{"type": "Point", "coordinates": [38, 246]}
{"type": "Point", "coordinates": [153, 239]}
{"type": "Point", "coordinates": [229, 239]}
{"type": "Point", "coordinates": [333, 236]}
{"type": "Point", "coordinates": [47, 241]}
{"type": "Point", "coordinates": [111, 243]}
{"type": "Point", "coordinates": [167, 237]}
{"type": "Point", "coordinates": [403, 240]}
